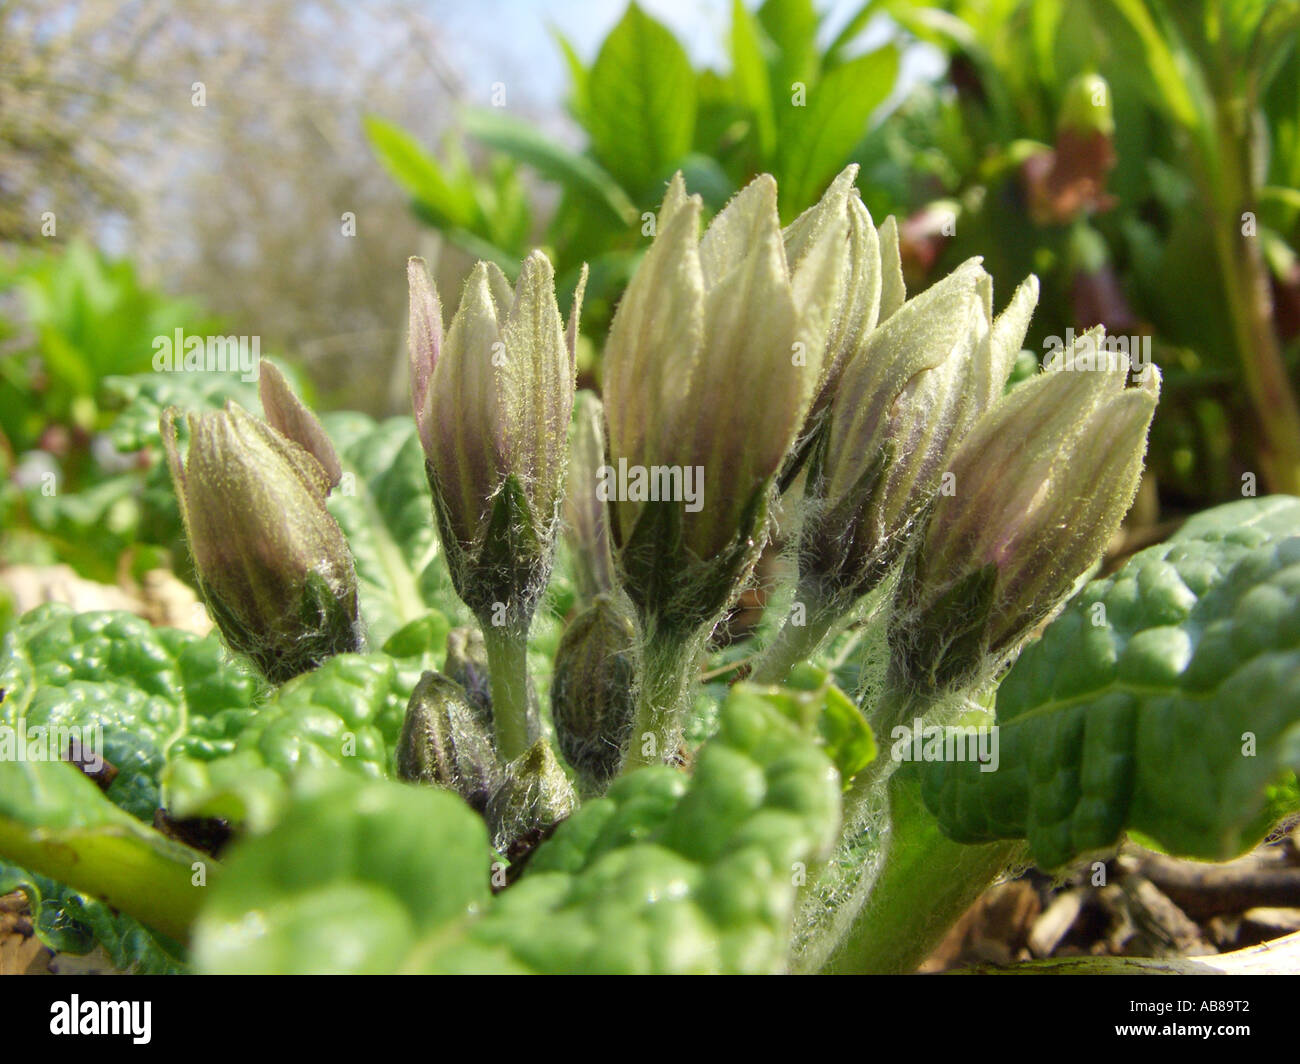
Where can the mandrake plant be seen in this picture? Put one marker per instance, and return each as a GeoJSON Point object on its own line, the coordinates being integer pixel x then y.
{"type": "Point", "coordinates": [490, 725]}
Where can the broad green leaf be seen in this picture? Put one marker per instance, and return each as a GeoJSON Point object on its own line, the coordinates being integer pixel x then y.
{"type": "Point", "coordinates": [667, 873]}
{"type": "Point", "coordinates": [749, 76]}
{"type": "Point", "coordinates": [640, 102]}
{"type": "Point", "coordinates": [358, 876]}
{"type": "Point", "coordinates": [525, 142]}
{"type": "Point", "coordinates": [791, 26]}
{"type": "Point", "coordinates": [113, 674]}
{"type": "Point", "coordinates": [578, 75]}
{"type": "Point", "coordinates": [1165, 699]}
{"type": "Point", "coordinates": [240, 765]}
{"type": "Point", "coordinates": [818, 137]}
{"type": "Point", "coordinates": [852, 29]}
{"type": "Point", "coordinates": [55, 821]}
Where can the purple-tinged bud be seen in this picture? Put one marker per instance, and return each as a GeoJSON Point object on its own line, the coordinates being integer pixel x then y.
{"type": "Point", "coordinates": [1040, 487]}
{"type": "Point", "coordinates": [492, 402]}
{"type": "Point", "coordinates": [273, 564]}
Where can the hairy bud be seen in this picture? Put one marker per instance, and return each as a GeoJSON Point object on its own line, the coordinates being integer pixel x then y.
{"type": "Point", "coordinates": [272, 562]}
{"type": "Point", "coordinates": [593, 690]}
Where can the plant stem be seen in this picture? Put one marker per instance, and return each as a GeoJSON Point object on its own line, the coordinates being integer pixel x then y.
{"type": "Point", "coordinates": [793, 643]}
{"type": "Point", "coordinates": [507, 653]}
{"type": "Point", "coordinates": [135, 870]}
{"type": "Point", "coordinates": [895, 884]}
{"type": "Point", "coordinates": [1228, 191]}
{"type": "Point", "coordinates": [667, 678]}
{"type": "Point", "coordinates": [925, 884]}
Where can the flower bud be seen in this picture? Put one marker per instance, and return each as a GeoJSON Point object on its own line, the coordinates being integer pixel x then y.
{"type": "Point", "coordinates": [586, 517]}
{"type": "Point", "coordinates": [492, 403]}
{"type": "Point", "coordinates": [1086, 107]}
{"type": "Point", "coordinates": [857, 303]}
{"type": "Point", "coordinates": [445, 741]}
{"type": "Point", "coordinates": [466, 663]}
{"type": "Point", "coordinates": [593, 689]}
{"type": "Point", "coordinates": [273, 565]}
{"type": "Point", "coordinates": [534, 796]}
{"type": "Point", "coordinates": [704, 319]}
{"type": "Point", "coordinates": [906, 399]}
{"type": "Point", "coordinates": [1041, 485]}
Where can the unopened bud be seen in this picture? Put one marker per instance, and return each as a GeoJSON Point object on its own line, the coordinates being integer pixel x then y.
{"type": "Point", "coordinates": [273, 564]}
{"type": "Point", "coordinates": [535, 795]}
{"type": "Point", "coordinates": [1042, 484]}
{"type": "Point", "coordinates": [593, 689]}
{"type": "Point", "coordinates": [445, 742]}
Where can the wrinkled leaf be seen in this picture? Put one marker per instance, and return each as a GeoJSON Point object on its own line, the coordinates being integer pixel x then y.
{"type": "Point", "coordinates": [1165, 699]}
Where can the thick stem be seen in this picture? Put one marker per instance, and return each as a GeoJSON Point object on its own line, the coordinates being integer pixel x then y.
{"type": "Point", "coordinates": [507, 652]}
{"type": "Point", "coordinates": [919, 891]}
{"type": "Point", "coordinates": [864, 913]}
{"type": "Point", "coordinates": [1229, 192]}
{"type": "Point", "coordinates": [667, 681]}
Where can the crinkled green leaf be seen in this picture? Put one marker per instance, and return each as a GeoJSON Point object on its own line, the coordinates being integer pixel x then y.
{"type": "Point", "coordinates": [145, 687]}
{"type": "Point", "coordinates": [239, 765]}
{"type": "Point", "coordinates": [69, 922]}
{"type": "Point", "coordinates": [1164, 699]}
{"type": "Point", "coordinates": [668, 873]}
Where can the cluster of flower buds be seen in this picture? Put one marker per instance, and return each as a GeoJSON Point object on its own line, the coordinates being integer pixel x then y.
{"type": "Point", "coordinates": [272, 563]}
{"type": "Point", "coordinates": [909, 393]}
{"type": "Point", "coordinates": [737, 361]}
{"type": "Point", "coordinates": [702, 315]}
{"type": "Point", "coordinates": [446, 741]}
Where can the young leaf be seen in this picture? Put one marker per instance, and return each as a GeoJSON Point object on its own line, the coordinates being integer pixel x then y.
{"type": "Point", "coordinates": [640, 101]}
{"type": "Point", "coordinates": [1165, 699]}
{"type": "Point", "coordinates": [818, 135]}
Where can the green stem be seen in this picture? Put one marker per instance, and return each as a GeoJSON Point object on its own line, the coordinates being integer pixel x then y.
{"type": "Point", "coordinates": [925, 884]}
{"type": "Point", "coordinates": [793, 644]}
{"type": "Point", "coordinates": [667, 680]}
{"type": "Point", "coordinates": [895, 884]}
{"type": "Point", "coordinates": [1229, 191]}
{"type": "Point", "coordinates": [133, 869]}
{"type": "Point", "coordinates": [507, 653]}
